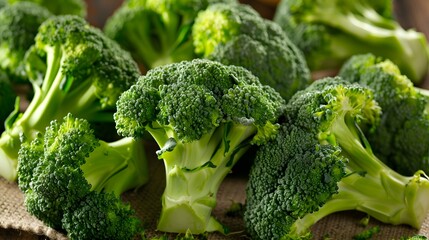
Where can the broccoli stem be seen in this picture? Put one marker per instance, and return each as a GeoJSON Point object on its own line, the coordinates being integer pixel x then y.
{"type": "Point", "coordinates": [368, 31]}
{"type": "Point", "coordinates": [117, 166]}
{"type": "Point", "coordinates": [192, 185]}
{"type": "Point", "coordinates": [394, 199]}
{"type": "Point", "coordinates": [35, 118]}
{"type": "Point", "coordinates": [9, 147]}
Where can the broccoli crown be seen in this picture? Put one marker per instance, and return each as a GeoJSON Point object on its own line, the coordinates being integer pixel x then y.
{"type": "Point", "coordinates": [56, 174]}
{"type": "Point", "coordinates": [321, 163]}
{"type": "Point", "coordinates": [402, 139]}
{"type": "Point", "coordinates": [18, 27]}
{"type": "Point", "coordinates": [193, 98]}
{"type": "Point", "coordinates": [60, 7]}
{"type": "Point", "coordinates": [235, 34]}
{"type": "Point", "coordinates": [204, 116]}
{"type": "Point", "coordinates": [156, 32]}
{"type": "Point", "coordinates": [7, 99]}
{"type": "Point", "coordinates": [297, 175]}
{"type": "Point", "coordinates": [329, 32]}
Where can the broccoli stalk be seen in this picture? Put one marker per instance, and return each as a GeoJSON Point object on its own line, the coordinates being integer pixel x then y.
{"type": "Point", "coordinates": [204, 116]}
{"type": "Point", "coordinates": [74, 69]}
{"type": "Point", "coordinates": [330, 32]}
{"type": "Point", "coordinates": [371, 186]}
{"type": "Point", "coordinates": [321, 163]}
{"type": "Point", "coordinates": [194, 172]}
{"type": "Point", "coordinates": [72, 181]}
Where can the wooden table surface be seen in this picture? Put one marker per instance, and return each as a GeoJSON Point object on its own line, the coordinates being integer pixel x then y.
{"type": "Point", "coordinates": [411, 14]}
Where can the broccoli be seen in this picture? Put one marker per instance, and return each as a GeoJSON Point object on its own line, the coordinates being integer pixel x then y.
{"type": "Point", "coordinates": [72, 181]}
{"type": "Point", "coordinates": [367, 233]}
{"type": "Point", "coordinates": [59, 7]}
{"type": "Point", "coordinates": [7, 99]}
{"type": "Point", "coordinates": [237, 35]}
{"type": "Point", "coordinates": [74, 69]}
{"type": "Point", "coordinates": [18, 27]}
{"type": "Point", "coordinates": [415, 237]}
{"type": "Point", "coordinates": [330, 32]}
{"type": "Point", "coordinates": [320, 163]}
{"type": "Point", "coordinates": [402, 139]}
{"type": "Point", "coordinates": [156, 32]}
{"type": "Point", "coordinates": [203, 115]}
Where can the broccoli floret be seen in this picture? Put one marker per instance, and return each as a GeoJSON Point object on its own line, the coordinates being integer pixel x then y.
{"type": "Point", "coordinates": [203, 115]}
{"type": "Point", "coordinates": [330, 32]}
{"type": "Point", "coordinates": [72, 181]}
{"type": "Point", "coordinates": [415, 237]}
{"type": "Point", "coordinates": [59, 7]}
{"type": "Point", "coordinates": [18, 27]}
{"type": "Point", "coordinates": [235, 34]}
{"type": "Point", "coordinates": [367, 234]}
{"type": "Point", "coordinates": [74, 69]}
{"type": "Point", "coordinates": [321, 163]}
{"type": "Point", "coordinates": [156, 32]}
{"type": "Point", "coordinates": [402, 139]}
{"type": "Point", "coordinates": [7, 99]}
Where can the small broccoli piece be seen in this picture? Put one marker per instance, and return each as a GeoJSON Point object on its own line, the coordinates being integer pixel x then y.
{"type": "Point", "coordinates": [74, 69]}
{"type": "Point", "coordinates": [402, 139]}
{"type": "Point", "coordinates": [321, 163]}
{"type": "Point", "coordinates": [59, 7]}
{"type": "Point", "coordinates": [235, 34]}
{"type": "Point", "coordinates": [156, 32]}
{"type": "Point", "coordinates": [7, 99]}
{"type": "Point", "coordinates": [204, 116]}
{"type": "Point", "coordinates": [415, 237]}
{"type": "Point", "coordinates": [72, 181]}
{"type": "Point", "coordinates": [18, 27]}
{"type": "Point", "coordinates": [330, 32]}
{"type": "Point", "coordinates": [367, 234]}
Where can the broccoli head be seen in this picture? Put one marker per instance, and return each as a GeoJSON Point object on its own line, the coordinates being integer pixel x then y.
{"type": "Point", "coordinates": [320, 163]}
{"type": "Point", "coordinates": [203, 115]}
{"type": "Point", "coordinates": [402, 139]}
{"type": "Point", "coordinates": [156, 32]}
{"type": "Point", "coordinates": [59, 7]}
{"type": "Point", "coordinates": [237, 35]}
{"type": "Point", "coordinates": [330, 32]}
{"type": "Point", "coordinates": [72, 181]}
{"type": "Point", "coordinates": [74, 69]}
{"type": "Point", "coordinates": [18, 27]}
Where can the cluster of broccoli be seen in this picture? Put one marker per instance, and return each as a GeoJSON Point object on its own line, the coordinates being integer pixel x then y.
{"type": "Point", "coordinates": [71, 178]}
{"type": "Point", "coordinates": [330, 32]}
{"type": "Point", "coordinates": [210, 81]}
{"type": "Point", "coordinates": [163, 32]}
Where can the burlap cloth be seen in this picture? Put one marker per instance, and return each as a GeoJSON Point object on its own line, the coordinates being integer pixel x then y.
{"type": "Point", "coordinates": [146, 202]}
